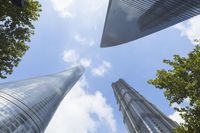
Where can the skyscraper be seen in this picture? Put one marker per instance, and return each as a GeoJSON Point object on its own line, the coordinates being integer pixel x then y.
{"type": "Point", "coordinates": [129, 20]}
{"type": "Point", "coordinates": [139, 115]}
{"type": "Point", "coordinates": [27, 106]}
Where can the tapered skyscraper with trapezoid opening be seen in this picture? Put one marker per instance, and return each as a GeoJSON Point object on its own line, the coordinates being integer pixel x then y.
{"type": "Point", "coordinates": [139, 115]}
{"type": "Point", "coordinates": [27, 106]}
{"type": "Point", "coordinates": [128, 20]}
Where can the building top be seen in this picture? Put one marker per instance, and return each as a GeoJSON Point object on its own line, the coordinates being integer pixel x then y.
{"type": "Point", "coordinates": [128, 20]}
{"type": "Point", "coordinates": [27, 106]}
{"type": "Point", "coordinates": [139, 115]}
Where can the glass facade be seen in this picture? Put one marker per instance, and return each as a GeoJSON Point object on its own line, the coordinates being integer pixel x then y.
{"type": "Point", "coordinates": [139, 115]}
{"type": "Point", "coordinates": [27, 106]}
{"type": "Point", "coordinates": [129, 20]}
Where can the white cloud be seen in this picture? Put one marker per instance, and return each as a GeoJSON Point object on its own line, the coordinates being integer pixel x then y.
{"type": "Point", "coordinates": [79, 38]}
{"type": "Point", "coordinates": [64, 7]}
{"type": "Point", "coordinates": [83, 40]}
{"type": "Point", "coordinates": [102, 69]}
{"type": "Point", "coordinates": [72, 8]}
{"type": "Point", "coordinates": [190, 28]}
{"type": "Point", "coordinates": [82, 17]}
{"type": "Point", "coordinates": [85, 62]}
{"type": "Point", "coordinates": [176, 117]}
{"type": "Point", "coordinates": [70, 56]}
{"type": "Point", "coordinates": [75, 113]}
{"type": "Point", "coordinates": [73, 58]}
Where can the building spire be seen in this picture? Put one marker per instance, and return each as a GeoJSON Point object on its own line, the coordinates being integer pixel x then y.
{"type": "Point", "coordinates": [139, 115]}
{"type": "Point", "coordinates": [27, 106]}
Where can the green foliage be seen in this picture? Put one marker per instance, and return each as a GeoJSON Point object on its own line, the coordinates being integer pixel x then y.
{"type": "Point", "coordinates": [16, 29]}
{"type": "Point", "coordinates": [180, 83]}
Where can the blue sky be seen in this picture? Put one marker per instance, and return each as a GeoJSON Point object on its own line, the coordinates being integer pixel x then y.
{"type": "Point", "coordinates": [69, 33]}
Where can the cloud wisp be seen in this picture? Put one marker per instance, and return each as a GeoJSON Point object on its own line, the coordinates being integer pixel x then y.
{"type": "Point", "coordinates": [73, 58]}
{"type": "Point", "coordinates": [83, 40]}
{"type": "Point", "coordinates": [190, 29]}
{"type": "Point", "coordinates": [75, 114]}
{"type": "Point", "coordinates": [63, 7]}
{"type": "Point", "coordinates": [176, 117]}
{"type": "Point", "coordinates": [71, 8]}
{"type": "Point", "coordinates": [102, 69]}
{"type": "Point", "coordinates": [86, 62]}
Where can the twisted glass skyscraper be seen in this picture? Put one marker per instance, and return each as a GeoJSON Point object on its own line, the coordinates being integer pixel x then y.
{"type": "Point", "coordinates": [27, 106]}
{"type": "Point", "coordinates": [129, 20]}
{"type": "Point", "coordinates": [139, 115]}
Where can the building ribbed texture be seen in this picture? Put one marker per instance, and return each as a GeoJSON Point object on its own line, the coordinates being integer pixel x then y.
{"type": "Point", "coordinates": [27, 106]}
{"type": "Point", "coordinates": [139, 115]}
{"type": "Point", "coordinates": [129, 20]}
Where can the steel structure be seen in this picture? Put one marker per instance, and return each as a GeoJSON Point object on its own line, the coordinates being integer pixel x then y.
{"type": "Point", "coordinates": [139, 115]}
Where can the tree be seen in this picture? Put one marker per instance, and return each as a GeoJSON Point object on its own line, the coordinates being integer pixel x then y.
{"type": "Point", "coordinates": [19, 3]}
{"type": "Point", "coordinates": [180, 83]}
{"type": "Point", "coordinates": [16, 29]}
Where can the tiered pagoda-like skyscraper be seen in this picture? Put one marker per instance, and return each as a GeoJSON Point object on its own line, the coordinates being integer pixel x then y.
{"type": "Point", "coordinates": [129, 20]}
{"type": "Point", "coordinates": [139, 115]}
{"type": "Point", "coordinates": [27, 106]}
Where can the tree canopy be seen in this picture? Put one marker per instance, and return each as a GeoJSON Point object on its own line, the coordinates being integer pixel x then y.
{"type": "Point", "coordinates": [181, 84]}
{"type": "Point", "coordinates": [16, 28]}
